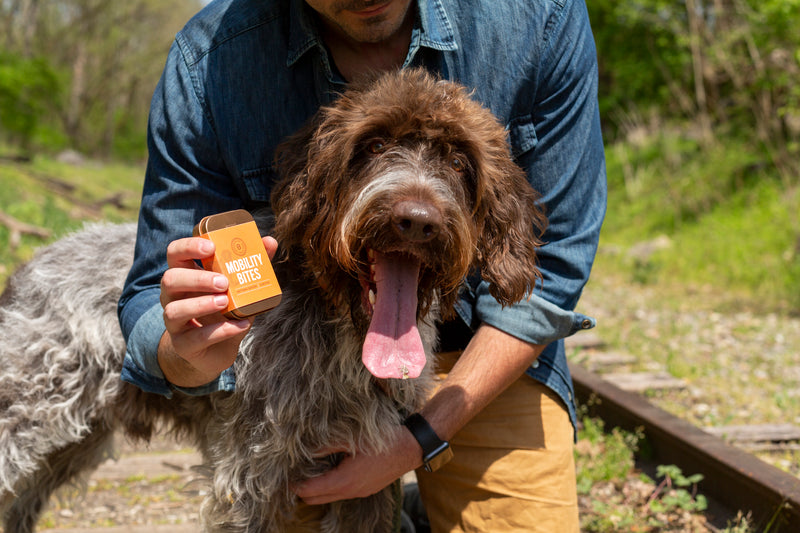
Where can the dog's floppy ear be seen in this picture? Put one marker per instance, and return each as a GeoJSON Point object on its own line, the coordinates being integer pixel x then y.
{"type": "Point", "coordinates": [290, 195]}
{"type": "Point", "coordinates": [295, 199]}
{"type": "Point", "coordinates": [511, 222]}
{"type": "Point", "coordinates": [313, 165]}
{"type": "Point", "coordinates": [305, 199]}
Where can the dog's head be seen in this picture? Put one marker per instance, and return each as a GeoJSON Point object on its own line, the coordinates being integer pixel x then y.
{"type": "Point", "coordinates": [406, 179]}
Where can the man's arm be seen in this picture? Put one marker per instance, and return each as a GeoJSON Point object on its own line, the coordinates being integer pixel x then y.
{"type": "Point", "coordinates": [185, 180]}
{"type": "Point", "coordinates": [471, 385]}
{"type": "Point", "coordinates": [476, 379]}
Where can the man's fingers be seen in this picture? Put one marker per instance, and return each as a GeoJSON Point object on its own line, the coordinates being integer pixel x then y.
{"type": "Point", "coordinates": [331, 450]}
{"type": "Point", "coordinates": [197, 340]}
{"type": "Point", "coordinates": [319, 490]}
{"type": "Point", "coordinates": [181, 315]}
{"type": "Point", "coordinates": [183, 252]}
{"type": "Point", "coordinates": [180, 282]}
{"type": "Point", "coordinates": [271, 245]}
{"type": "Point", "coordinates": [346, 481]}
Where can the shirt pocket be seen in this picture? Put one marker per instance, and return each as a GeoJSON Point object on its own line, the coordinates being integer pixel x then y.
{"type": "Point", "coordinates": [258, 183]}
{"type": "Point", "coordinates": [522, 134]}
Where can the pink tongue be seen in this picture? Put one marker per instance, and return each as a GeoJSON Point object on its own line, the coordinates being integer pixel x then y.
{"type": "Point", "coordinates": [393, 347]}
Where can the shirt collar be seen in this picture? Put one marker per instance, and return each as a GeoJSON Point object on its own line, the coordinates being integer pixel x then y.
{"type": "Point", "coordinates": [303, 34]}
{"type": "Point", "coordinates": [433, 25]}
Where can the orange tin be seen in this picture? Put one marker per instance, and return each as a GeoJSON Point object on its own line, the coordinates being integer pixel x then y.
{"type": "Point", "coordinates": [241, 257]}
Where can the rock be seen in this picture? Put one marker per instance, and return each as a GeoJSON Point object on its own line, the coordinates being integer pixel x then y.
{"type": "Point", "coordinates": [71, 157]}
{"type": "Point", "coordinates": [644, 250]}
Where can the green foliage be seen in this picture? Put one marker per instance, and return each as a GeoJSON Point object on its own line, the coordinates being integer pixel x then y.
{"type": "Point", "coordinates": [725, 66]}
{"type": "Point", "coordinates": [636, 42]}
{"type": "Point", "coordinates": [677, 491]}
{"type": "Point", "coordinates": [27, 90]}
{"type": "Point", "coordinates": [93, 90]}
{"type": "Point", "coordinates": [609, 457]}
{"type": "Point", "coordinates": [731, 221]}
{"type": "Point", "coordinates": [702, 123]}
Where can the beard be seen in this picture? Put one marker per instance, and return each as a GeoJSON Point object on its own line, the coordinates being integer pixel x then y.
{"type": "Point", "coordinates": [372, 29]}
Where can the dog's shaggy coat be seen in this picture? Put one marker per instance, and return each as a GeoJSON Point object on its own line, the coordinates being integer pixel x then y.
{"type": "Point", "coordinates": [405, 170]}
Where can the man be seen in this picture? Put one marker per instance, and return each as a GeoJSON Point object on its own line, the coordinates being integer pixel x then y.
{"type": "Point", "coordinates": [244, 74]}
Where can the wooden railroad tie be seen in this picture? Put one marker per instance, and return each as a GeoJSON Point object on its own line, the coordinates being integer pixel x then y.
{"type": "Point", "coordinates": [644, 381]}
{"type": "Point", "coordinates": [760, 437]}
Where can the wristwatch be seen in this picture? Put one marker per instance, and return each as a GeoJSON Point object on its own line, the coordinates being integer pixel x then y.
{"type": "Point", "coordinates": [435, 451]}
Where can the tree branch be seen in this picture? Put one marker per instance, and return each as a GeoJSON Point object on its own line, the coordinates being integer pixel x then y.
{"type": "Point", "coordinates": [17, 229]}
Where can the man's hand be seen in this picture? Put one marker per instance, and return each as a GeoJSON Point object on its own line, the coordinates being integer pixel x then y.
{"type": "Point", "coordinates": [199, 342]}
{"type": "Point", "coordinates": [475, 380]}
{"type": "Point", "coordinates": [365, 473]}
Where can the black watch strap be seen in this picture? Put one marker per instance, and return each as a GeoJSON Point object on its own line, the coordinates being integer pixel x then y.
{"type": "Point", "coordinates": [435, 451]}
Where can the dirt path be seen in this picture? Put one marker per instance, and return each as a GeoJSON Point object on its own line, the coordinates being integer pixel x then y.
{"type": "Point", "coordinates": [148, 489]}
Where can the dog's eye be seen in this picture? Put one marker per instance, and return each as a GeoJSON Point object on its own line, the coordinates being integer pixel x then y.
{"type": "Point", "coordinates": [458, 164]}
{"type": "Point", "coordinates": [377, 146]}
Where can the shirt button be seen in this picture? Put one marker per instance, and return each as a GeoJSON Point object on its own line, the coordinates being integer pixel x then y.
{"type": "Point", "coordinates": [535, 364]}
{"type": "Point", "coordinates": [586, 324]}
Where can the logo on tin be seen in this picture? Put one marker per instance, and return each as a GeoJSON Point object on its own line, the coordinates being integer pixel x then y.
{"type": "Point", "coordinates": [238, 246]}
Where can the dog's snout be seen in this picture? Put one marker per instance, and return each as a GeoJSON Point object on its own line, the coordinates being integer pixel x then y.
{"type": "Point", "coordinates": [416, 221]}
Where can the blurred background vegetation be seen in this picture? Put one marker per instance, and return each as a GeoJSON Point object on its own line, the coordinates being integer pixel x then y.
{"type": "Point", "coordinates": [700, 102]}
{"type": "Point", "coordinates": [79, 73]}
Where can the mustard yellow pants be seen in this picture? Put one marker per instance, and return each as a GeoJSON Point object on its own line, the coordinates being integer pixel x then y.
{"type": "Point", "coordinates": [513, 467]}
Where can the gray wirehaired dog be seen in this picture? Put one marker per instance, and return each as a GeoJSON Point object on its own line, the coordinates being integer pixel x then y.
{"type": "Point", "coordinates": [387, 201]}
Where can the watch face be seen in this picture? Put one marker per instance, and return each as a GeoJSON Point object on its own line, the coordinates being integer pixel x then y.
{"type": "Point", "coordinates": [438, 458]}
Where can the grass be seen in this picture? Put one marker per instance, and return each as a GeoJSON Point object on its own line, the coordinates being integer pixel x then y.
{"type": "Point", "coordinates": [731, 222]}
{"type": "Point", "coordinates": [60, 197]}
{"type": "Point", "coordinates": [138, 499]}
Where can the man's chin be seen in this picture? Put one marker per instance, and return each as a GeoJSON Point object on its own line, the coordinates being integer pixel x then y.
{"type": "Point", "coordinates": [375, 25]}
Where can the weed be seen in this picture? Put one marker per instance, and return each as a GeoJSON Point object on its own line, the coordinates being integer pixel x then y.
{"type": "Point", "coordinates": [673, 494]}
{"type": "Point", "coordinates": [616, 497]}
{"type": "Point", "coordinates": [603, 457]}
{"type": "Point", "coordinates": [741, 523]}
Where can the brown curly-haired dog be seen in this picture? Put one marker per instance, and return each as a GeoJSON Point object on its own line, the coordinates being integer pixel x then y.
{"type": "Point", "coordinates": [387, 201]}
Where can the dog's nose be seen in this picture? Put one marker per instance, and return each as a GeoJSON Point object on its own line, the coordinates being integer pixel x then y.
{"type": "Point", "coordinates": [416, 221]}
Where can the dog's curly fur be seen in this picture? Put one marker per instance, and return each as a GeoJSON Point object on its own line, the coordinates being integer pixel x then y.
{"type": "Point", "coordinates": [301, 386]}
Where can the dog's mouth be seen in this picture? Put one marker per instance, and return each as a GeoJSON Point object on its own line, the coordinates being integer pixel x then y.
{"type": "Point", "coordinates": [393, 346]}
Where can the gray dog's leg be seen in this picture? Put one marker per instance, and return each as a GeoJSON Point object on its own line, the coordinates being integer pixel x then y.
{"type": "Point", "coordinates": [62, 466]}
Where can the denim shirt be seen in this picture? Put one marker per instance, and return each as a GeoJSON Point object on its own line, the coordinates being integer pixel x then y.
{"type": "Point", "coordinates": [244, 74]}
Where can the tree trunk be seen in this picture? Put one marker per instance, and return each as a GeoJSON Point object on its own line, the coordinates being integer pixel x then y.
{"type": "Point", "coordinates": [695, 27]}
